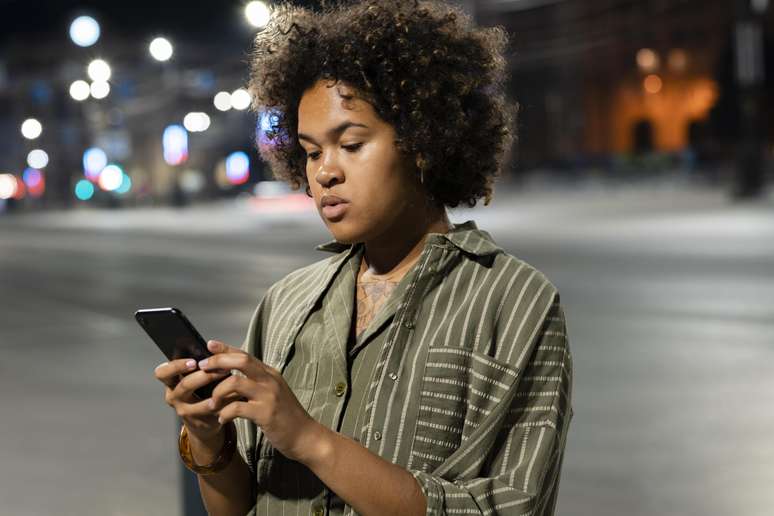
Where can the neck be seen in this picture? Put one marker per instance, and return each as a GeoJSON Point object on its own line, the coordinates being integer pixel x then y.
{"type": "Point", "coordinates": [399, 249]}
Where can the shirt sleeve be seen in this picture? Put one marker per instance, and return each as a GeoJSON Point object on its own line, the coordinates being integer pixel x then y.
{"type": "Point", "coordinates": [520, 474]}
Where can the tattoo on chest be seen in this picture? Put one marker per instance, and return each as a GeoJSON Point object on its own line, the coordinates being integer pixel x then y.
{"type": "Point", "coordinates": [370, 298]}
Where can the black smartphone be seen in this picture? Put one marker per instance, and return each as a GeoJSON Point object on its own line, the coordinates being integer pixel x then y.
{"type": "Point", "coordinates": [177, 338]}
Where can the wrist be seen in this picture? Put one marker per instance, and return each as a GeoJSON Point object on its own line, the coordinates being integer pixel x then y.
{"type": "Point", "coordinates": [205, 450]}
{"type": "Point", "coordinates": [317, 446]}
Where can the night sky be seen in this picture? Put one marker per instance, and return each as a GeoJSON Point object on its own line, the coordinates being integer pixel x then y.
{"type": "Point", "coordinates": [43, 19]}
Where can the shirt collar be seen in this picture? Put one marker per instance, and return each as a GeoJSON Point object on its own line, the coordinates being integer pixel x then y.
{"type": "Point", "coordinates": [466, 237]}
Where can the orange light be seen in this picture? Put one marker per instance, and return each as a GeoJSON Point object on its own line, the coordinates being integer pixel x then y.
{"type": "Point", "coordinates": [678, 60]}
{"type": "Point", "coordinates": [652, 84]}
{"type": "Point", "coordinates": [647, 60]}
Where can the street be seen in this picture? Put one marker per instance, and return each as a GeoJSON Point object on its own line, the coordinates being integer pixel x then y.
{"type": "Point", "coordinates": [668, 292]}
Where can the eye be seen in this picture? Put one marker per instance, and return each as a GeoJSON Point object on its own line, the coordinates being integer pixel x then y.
{"type": "Point", "coordinates": [312, 155]}
{"type": "Point", "coordinates": [352, 148]}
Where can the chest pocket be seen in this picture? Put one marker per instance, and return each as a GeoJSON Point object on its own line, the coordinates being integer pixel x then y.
{"type": "Point", "coordinates": [460, 389]}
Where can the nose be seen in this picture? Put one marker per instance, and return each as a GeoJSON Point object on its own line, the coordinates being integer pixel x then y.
{"type": "Point", "coordinates": [329, 173]}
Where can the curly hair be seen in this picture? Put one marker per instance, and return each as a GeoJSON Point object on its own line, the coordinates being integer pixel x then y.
{"type": "Point", "coordinates": [424, 66]}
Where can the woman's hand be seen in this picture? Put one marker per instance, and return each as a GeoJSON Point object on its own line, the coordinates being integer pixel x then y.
{"type": "Point", "coordinates": [181, 378]}
{"type": "Point", "coordinates": [266, 400]}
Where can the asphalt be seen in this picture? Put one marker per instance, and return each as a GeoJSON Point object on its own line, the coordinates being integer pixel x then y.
{"type": "Point", "coordinates": [668, 291]}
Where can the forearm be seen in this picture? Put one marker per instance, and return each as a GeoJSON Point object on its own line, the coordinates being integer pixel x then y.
{"type": "Point", "coordinates": [228, 491]}
{"type": "Point", "coordinates": [368, 483]}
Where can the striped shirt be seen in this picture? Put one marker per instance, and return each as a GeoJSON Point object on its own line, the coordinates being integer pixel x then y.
{"type": "Point", "coordinates": [463, 377]}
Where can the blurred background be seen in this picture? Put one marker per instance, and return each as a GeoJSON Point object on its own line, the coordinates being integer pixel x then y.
{"type": "Point", "coordinates": [640, 184]}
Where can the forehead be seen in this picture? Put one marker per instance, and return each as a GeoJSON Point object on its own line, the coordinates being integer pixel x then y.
{"type": "Point", "coordinates": [327, 102]}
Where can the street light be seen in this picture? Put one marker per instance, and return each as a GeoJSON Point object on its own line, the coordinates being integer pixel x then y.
{"type": "Point", "coordinates": [222, 101]}
{"type": "Point", "coordinates": [240, 99]}
{"type": "Point", "coordinates": [647, 60]}
{"type": "Point", "coordinates": [84, 31]}
{"type": "Point", "coordinates": [79, 90]}
{"type": "Point", "coordinates": [31, 129]}
{"type": "Point", "coordinates": [161, 49]}
{"type": "Point", "coordinates": [37, 158]}
{"type": "Point", "coordinates": [257, 14]}
{"type": "Point", "coordinates": [99, 70]}
{"type": "Point", "coordinates": [99, 89]}
{"type": "Point", "coordinates": [196, 122]}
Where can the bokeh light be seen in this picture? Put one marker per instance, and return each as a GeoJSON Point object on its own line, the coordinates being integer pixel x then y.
{"type": "Point", "coordinates": [125, 186]}
{"type": "Point", "coordinates": [222, 101]}
{"type": "Point", "coordinates": [99, 89]}
{"type": "Point", "coordinates": [84, 190]}
{"type": "Point", "coordinates": [111, 177]}
{"type": "Point", "coordinates": [257, 14]}
{"type": "Point", "coordinates": [267, 122]}
{"type": "Point", "coordinates": [678, 60]}
{"type": "Point", "coordinates": [35, 182]}
{"type": "Point", "coordinates": [99, 70]}
{"type": "Point", "coordinates": [94, 160]}
{"type": "Point", "coordinates": [32, 177]}
{"type": "Point", "coordinates": [653, 84]}
{"type": "Point", "coordinates": [237, 168]}
{"type": "Point", "coordinates": [196, 122]}
{"type": "Point", "coordinates": [240, 99]}
{"type": "Point", "coordinates": [84, 31]}
{"type": "Point", "coordinates": [647, 60]}
{"type": "Point", "coordinates": [79, 90]}
{"type": "Point", "coordinates": [31, 128]}
{"type": "Point", "coordinates": [37, 158]}
{"type": "Point", "coordinates": [175, 144]}
{"type": "Point", "coordinates": [161, 49]}
{"type": "Point", "coordinates": [8, 186]}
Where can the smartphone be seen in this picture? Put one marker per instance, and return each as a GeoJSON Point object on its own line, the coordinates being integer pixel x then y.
{"type": "Point", "coordinates": [177, 338]}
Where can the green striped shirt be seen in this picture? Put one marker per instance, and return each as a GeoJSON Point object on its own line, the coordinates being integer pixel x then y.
{"type": "Point", "coordinates": [463, 377]}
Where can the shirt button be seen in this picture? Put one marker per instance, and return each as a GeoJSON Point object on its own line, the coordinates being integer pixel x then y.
{"type": "Point", "coordinates": [341, 388]}
{"type": "Point", "coordinates": [377, 436]}
{"type": "Point", "coordinates": [408, 323]}
{"type": "Point", "coordinates": [318, 511]}
{"type": "Point", "coordinates": [393, 376]}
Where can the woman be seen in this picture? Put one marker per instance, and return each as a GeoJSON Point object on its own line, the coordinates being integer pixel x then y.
{"type": "Point", "coordinates": [420, 369]}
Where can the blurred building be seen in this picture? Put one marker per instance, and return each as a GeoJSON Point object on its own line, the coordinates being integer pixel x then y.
{"type": "Point", "coordinates": [598, 78]}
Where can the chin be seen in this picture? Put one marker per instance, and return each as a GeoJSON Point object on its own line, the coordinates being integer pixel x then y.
{"type": "Point", "coordinates": [346, 232]}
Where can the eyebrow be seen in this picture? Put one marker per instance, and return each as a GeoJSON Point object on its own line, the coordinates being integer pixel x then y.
{"type": "Point", "coordinates": [333, 132]}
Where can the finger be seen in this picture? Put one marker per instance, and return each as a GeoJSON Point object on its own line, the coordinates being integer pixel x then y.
{"type": "Point", "coordinates": [200, 409]}
{"type": "Point", "coordinates": [185, 388]}
{"type": "Point", "coordinates": [236, 387]}
{"type": "Point", "coordinates": [169, 373]}
{"type": "Point", "coordinates": [234, 410]}
{"type": "Point", "coordinates": [216, 347]}
{"type": "Point", "coordinates": [239, 360]}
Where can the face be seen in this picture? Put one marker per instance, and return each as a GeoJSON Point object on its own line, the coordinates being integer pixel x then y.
{"type": "Point", "coordinates": [351, 154]}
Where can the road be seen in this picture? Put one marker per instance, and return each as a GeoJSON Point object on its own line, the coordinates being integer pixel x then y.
{"type": "Point", "coordinates": [669, 295]}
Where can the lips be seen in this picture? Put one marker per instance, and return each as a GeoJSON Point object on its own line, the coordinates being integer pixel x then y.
{"type": "Point", "coordinates": [333, 207]}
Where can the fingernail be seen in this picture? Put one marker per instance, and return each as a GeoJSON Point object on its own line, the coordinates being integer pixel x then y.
{"type": "Point", "coordinates": [211, 403]}
{"type": "Point", "coordinates": [190, 364]}
{"type": "Point", "coordinates": [212, 345]}
{"type": "Point", "coordinates": [220, 420]}
{"type": "Point", "coordinates": [163, 364]}
{"type": "Point", "coordinates": [203, 363]}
